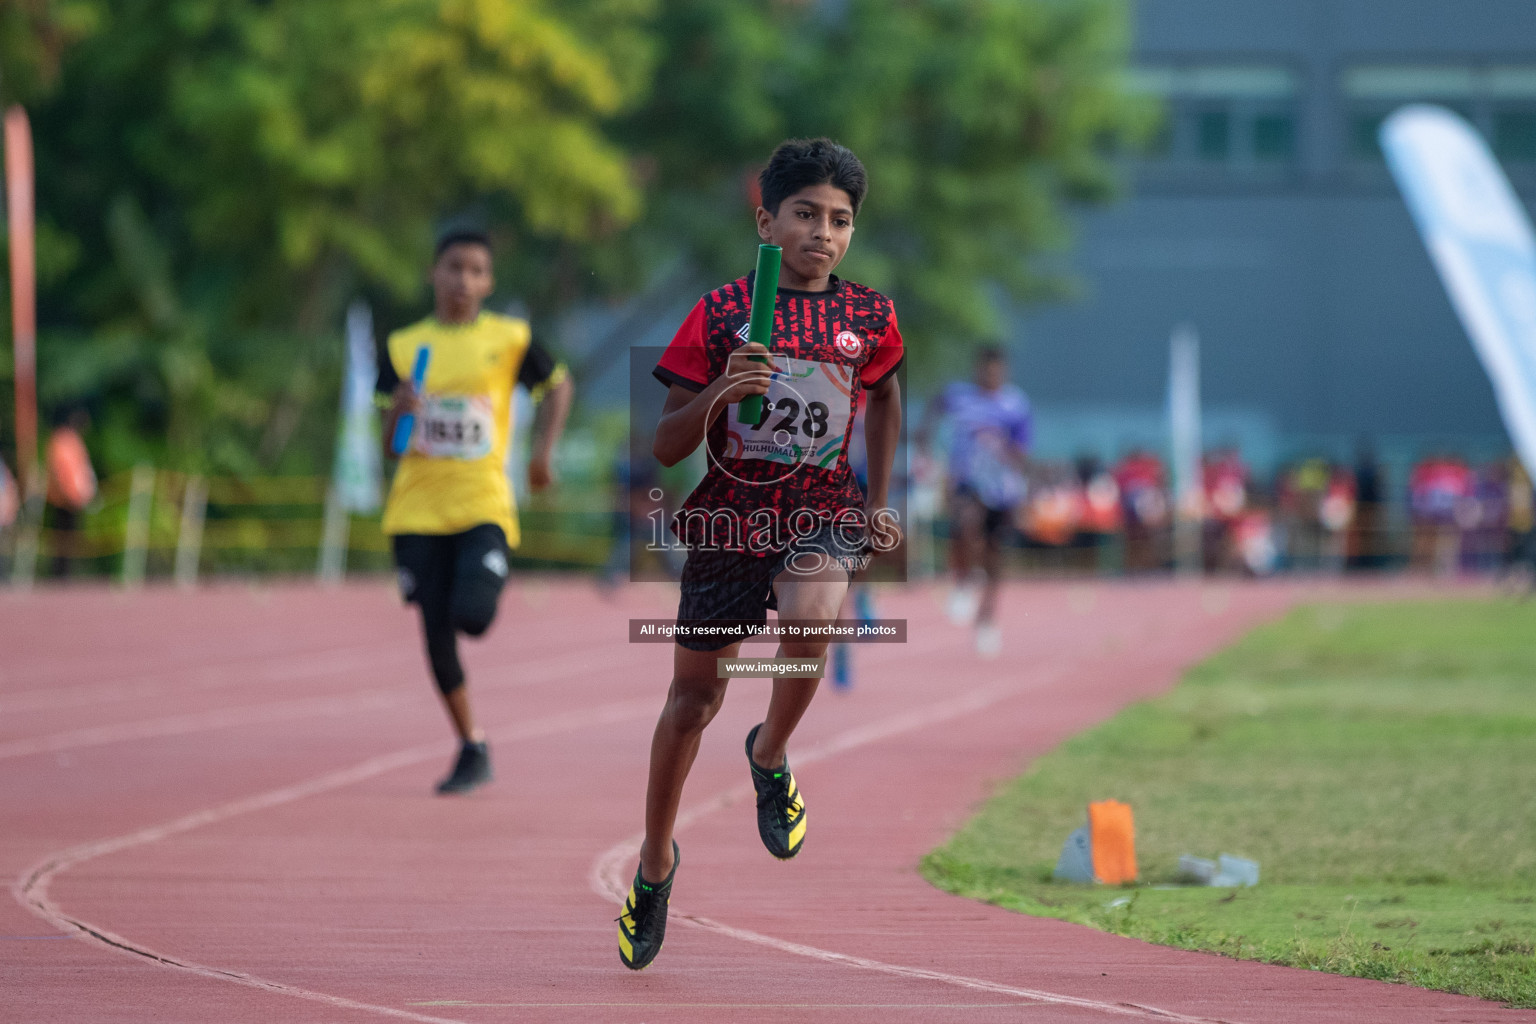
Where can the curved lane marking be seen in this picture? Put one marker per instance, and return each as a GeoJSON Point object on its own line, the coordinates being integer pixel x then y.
{"type": "Point", "coordinates": [530, 673]}
{"type": "Point", "coordinates": [609, 877]}
{"type": "Point", "coordinates": [30, 889]}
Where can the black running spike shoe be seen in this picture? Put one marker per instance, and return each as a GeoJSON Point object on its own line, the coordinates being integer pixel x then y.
{"type": "Point", "coordinates": [472, 769]}
{"type": "Point", "coordinates": [643, 925]}
{"type": "Point", "coordinates": [780, 806]}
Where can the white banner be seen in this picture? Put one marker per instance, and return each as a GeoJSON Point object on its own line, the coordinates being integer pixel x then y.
{"type": "Point", "coordinates": [359, 468]}
{"type": "Point", "coordinates": [1184, 416]}
{"type": "Point", "coordinates": [1184, 439]}
{"type": "Point", "coordinates": [1480, 239]}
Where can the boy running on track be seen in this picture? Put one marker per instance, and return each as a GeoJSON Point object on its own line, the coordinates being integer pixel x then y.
{"type": "Point", "coordinates": [778, 520]}
{"type": "Point", "coordinates": [450, 511]}
{"type": "Point", "coordinates": [990, 428]}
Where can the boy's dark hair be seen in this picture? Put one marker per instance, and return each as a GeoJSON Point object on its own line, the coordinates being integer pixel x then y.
{"type": "Point", "coordinates": [460, 236]}
{"type": "Point", "coordinates": [990, 354]}
{"type": "Point", "coordinates": [801, 163]}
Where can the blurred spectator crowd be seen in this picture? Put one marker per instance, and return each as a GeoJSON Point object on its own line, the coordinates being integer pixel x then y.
{"type": "Point", "coordinates": [1312, 514]}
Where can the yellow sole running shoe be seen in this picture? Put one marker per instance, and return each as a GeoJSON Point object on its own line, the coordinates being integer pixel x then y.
{"type": "Point", "coordinates": [643, 925]}
{"type": "Point", "coordinates": [780, 806]}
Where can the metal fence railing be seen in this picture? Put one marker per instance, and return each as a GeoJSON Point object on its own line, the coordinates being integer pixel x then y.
{"type": "Point", "coordinates": [162, 524]}
{"type": "Point", "coordinates": [150, 524]}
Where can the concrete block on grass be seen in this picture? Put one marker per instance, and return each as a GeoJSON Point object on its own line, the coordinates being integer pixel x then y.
{"type": "Point", "coordinates": [1226, 872]}
{"type": "Point", "coordinates": [1076, 861]}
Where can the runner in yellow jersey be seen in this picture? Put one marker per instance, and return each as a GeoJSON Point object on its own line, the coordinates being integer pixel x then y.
{"type": "Point", "coordinates": [450, 511]}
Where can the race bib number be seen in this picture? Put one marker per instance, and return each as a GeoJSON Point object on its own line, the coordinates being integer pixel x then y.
{"type": "Point", "coordinates": [805, 415]}
{"type": "Point", "coordinates": [455, 427]}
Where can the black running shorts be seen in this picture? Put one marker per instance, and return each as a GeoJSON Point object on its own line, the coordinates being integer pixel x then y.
{"type": "Point", "coordinates": [995, 522]}
{"type": "Point", "coordinates": [723, 588]}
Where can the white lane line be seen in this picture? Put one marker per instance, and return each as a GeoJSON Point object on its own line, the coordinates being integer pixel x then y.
{"type": "Point", "coordinates": [30, 888]}
{"type": "Point", "coordinates": [285, 667]}
{"type": "Point", "coordinates": [654, 1006]}
{"type": "Point", "coordinates": [223, 718]}
{"type": "Point", "coordinates": [609, 877]}
{"type": "Point", "coordinates": [257, 668]}
{"type": "Point", "coordinates": [1029, 995]}
{"type": "Point", "coordinates": [250, 671]}
{"type": "Point", "coordinates": [291, 667]}
{"type": "Point", "coordinates": [523, 674]}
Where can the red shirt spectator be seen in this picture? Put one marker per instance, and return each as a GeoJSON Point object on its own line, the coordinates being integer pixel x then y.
{"type": "Point", "coordinates": [1141, 482]}
{"type": "Point", "coordinates": [1226, 487]}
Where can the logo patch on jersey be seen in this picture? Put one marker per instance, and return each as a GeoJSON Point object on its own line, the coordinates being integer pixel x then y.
{"type": "Point", "coordinates": [496, 562]}
{"type": "Point", "coordinates": [849, 344]}
{"type": "Point", "coordinates": [744, 331]}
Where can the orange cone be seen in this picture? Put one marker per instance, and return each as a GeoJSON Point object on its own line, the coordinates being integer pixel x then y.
{"type": "Point", "coordinates": [1112, 836]}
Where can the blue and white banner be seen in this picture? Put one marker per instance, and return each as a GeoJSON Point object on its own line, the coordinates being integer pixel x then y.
{"type": "Point", "coordinates": [359, 463]}
{"type": "Point", "coordinates": [1480, 239]}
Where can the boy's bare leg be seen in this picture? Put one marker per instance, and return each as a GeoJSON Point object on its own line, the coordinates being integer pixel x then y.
{"type": "Point", "coordinates": [694, 698]}
{"type": "Point", "coordinates": [814, 597]}
{"type": "Point", "coordinates": [992, 566]}
{"type": "Point", "coordinates": [966, 540]}
{"type": "Point", "coordinates": [462, 717]}
{"type": "Point", "coordinates": [791, 698]}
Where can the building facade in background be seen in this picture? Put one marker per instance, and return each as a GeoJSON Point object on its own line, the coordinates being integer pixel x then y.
{"type": "Point", "coordinates": [1265, 216]}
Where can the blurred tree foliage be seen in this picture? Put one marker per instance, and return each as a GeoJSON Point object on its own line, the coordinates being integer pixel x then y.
{"type": "Point", "coordinates": [218, 177]}
{"type": "Point", "coordinates": [980, 122]}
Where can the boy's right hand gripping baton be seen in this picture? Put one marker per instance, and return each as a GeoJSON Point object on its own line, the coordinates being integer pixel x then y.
{"type": "Point", "coordinates": [765, 295]}
{"type": "Point", "coordinates": [406, 424]}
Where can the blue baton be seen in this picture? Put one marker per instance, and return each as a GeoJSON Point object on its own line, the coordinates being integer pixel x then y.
{"type": "Point", "coordinates": [406, 424]}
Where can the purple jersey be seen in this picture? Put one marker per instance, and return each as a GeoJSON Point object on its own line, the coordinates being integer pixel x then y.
{"type": "Point", "coordinates": [988, 430]}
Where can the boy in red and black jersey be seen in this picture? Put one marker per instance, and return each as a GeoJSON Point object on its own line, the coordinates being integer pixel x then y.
{"type": "Point", "coordinates": [829, 345]}
{"type": "Point", "coordinates": [779, 520]}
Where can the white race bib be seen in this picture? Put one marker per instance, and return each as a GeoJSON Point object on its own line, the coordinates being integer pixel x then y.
{"type": "Point", "coordinates": [455, 427]}
{"type": "Point", "coordinates": [805, 415]}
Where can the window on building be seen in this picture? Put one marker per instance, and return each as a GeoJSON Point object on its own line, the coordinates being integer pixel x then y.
{"type": "Point", "coordinates": [1514, 134]}
{"type": "Point", "coordinates": [1223, 115]}
{"type": "Point", "coordinates": [1498, 100]}
{"type": "Point", "coordinates": [1511, 92]}
{"type": "Point", "coordinates": [1274, 137]}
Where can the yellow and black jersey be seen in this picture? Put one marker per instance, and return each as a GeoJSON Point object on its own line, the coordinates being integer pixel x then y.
{"type": "Point", "coordinates": [453, 476]}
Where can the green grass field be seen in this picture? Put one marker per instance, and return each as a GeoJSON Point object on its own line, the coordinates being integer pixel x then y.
{"type": "Point", "coordinates": [1378, 761]}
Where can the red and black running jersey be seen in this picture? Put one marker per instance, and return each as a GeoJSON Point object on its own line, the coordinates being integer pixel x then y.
{"type": "Point", "coordinates": [793, 461]}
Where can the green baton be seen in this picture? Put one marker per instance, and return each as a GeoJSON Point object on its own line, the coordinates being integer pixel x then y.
{"type": "Point", "coordinates": [765, 293]}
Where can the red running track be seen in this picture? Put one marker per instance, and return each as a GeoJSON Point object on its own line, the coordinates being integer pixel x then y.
{"type": "Point", "coordinates": [216, 807]}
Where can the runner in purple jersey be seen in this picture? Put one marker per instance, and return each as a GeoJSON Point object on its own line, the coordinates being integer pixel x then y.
{"type": "Point", "coordinates": [989, 426]}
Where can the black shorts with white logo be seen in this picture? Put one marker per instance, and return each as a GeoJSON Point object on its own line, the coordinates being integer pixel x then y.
{"type": "Point", "coordinates": [456, 580]}
{"type": "Point", "coordinates": [433, 566]}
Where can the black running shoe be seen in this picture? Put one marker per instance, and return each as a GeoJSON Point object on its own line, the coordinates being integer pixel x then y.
{"type": "Point", "coordinates": [643, 925]}
{"type": "Point", "coordinates": [780, 807]}
{"type": "Point", "coordinates": [473, 768]}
